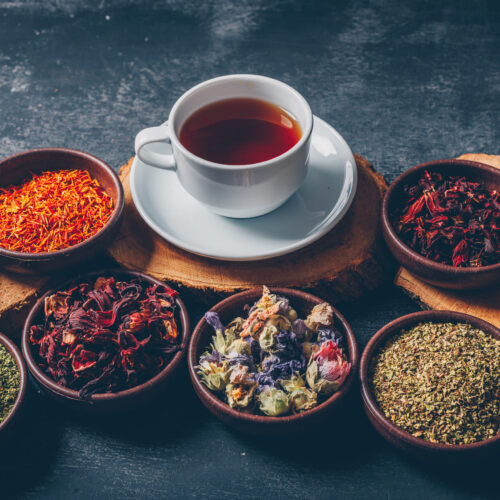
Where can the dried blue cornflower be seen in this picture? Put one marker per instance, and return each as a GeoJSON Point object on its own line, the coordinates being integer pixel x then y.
{"type": "Point", "coordinates": [300, 329]}
{"type": "Point", "coordinates": [212, 318]}
{"type": "Point", "coordinates": [325, 333]}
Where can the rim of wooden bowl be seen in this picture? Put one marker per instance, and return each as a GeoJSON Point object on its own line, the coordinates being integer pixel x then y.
{"type": "Point", "coordinates": [393, 329]}
{"type": "Point", "coordinates": [23, 380]}
{"type": "Point", "coordinates": [237, 301]}
{"type": "Point", "coordinates": [60, 390]}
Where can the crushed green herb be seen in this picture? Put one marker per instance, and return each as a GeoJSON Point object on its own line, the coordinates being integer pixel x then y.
{"type": "Point", "coordinates": [440, 382]}
{"type": "Point", "coordinates": [9, 382]}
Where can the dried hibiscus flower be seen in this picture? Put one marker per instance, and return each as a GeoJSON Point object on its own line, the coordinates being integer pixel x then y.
{"type": "Point", "coordinates": [108, 336]}
{"type": "Point", "coordinates": [273, 362]}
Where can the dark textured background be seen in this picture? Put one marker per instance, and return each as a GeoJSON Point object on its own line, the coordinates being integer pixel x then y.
{"type": "Point", "coordinates": [402, 82]}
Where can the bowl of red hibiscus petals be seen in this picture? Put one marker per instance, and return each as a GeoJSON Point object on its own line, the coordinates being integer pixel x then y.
{"type": "Point", "coordinates": [106, 341]}
{"type": "Point", "coordinates": [272, 360]}
{"type": "Point", "coordinates": [58, 208]}
{"type": "Point", "coordinates": [441, 221]}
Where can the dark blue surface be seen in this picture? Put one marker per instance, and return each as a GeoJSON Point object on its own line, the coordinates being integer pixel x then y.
{"type": "Point", "coordinates": [402, 82]}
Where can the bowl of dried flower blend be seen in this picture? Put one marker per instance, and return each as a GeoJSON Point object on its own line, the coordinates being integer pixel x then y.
{"type": "Point", "coordinates": [441, 221]}
{"type": "Point", "coordinates": [13, 381]}
{"type": "Point", "coordinates": [430, 383]}
{"type": "Point", "coordinates": [106, 341]}
{"type": "Point", "coordinates": [273, 360]}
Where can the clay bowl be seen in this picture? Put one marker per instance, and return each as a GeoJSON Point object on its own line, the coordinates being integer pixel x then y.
{"type": "Point", "coordinates": [256, 424]}
{"type": "Point", "coordinates": [15, 169]}
{"type": "Point", "coordinates": [441, 275]}
{"type": "Point", "coordinates": [9, 423]}
{"type": "Point", "coordinates": [401, 439]}
{"type": "Point", "coordinates": [106, 402]}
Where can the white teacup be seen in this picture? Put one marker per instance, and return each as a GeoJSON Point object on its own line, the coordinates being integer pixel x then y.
{"type": "Point", "coordinates": [240, 191]}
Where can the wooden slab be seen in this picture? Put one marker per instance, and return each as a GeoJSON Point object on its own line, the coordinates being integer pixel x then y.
{"type": "Point", "coordinates": [348, 261]}
{"type": "Point", "coordinates": [484, 304]}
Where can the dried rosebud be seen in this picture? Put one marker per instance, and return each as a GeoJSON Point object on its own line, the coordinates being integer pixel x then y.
{"type": "Point", "coordinates": [240, 396]}
{"type": "Point", "coordinates": [321, 314]}
{"type": "Point", "coordinates": [273, 402]}
{"type": "Point", "coordinates": [238, 374]}
{"type": "Point", "coordinates": [215, 375]}
{"type": "Point", "coordinates": [303, 399]}
{"type": "Point", "coordinates": [327, 369]}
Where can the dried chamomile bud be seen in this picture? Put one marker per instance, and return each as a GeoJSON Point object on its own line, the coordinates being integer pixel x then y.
{"type": "Point", "coordinates": [279, 321]}
{"type": "Point", "coordinates": [273, 402]}
{"type": "Point", "coordinates": [321, 314]}
{"type": "Point", "coordinates": [221, 342]}
{"type": "Point", "coordinates": [239, 347]}
{"type": "Point", "coordinates": [327, 369]}
{"type": "Point", "coordinates": [240, 396]}
{"type": "Point", "coordinates": [292, 314]}
{"type": "Point", "coordinates": [267, 339]}
{"type": "Point", "coordinates": [302, 399]}
{"type": "Point", "coordinates": [214, 375]}
{"type": "Point", "coordinates": [294, 382]}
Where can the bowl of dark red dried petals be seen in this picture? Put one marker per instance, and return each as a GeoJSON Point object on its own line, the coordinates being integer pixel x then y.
{"type": "Point", "coordinates": [106, 341]}
{"type": "Point", "coordinates": [430, 383]}
{"type": "Point", "coordinates": [441, 221]}
{"type": "Point", "coordinates": [273, 361]}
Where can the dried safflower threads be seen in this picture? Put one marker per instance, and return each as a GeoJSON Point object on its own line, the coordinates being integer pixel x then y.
{"type": "Point", "coordinates": [451, 220]}
{"type": "Point", "coordinates": [52, 211]}
{"type": "Point", "coordinates": [9, 382]}
{"type": "Point", "coordinates": [272, 362]}
{"type": "Point", "coordinates": [440, 382]}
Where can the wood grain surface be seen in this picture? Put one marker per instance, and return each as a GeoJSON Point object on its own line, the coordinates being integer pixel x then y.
{"type": "Point", "coordinates": [349, 261]}
{"type": "Point", "coordinates": [484, 304]}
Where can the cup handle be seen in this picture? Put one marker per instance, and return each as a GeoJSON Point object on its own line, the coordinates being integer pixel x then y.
{"type": "Point", "coordinates": [148, 136]}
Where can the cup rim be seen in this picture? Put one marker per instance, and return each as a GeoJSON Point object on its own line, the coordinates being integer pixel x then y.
{"type": "Point", "coordinates": [306, 133]}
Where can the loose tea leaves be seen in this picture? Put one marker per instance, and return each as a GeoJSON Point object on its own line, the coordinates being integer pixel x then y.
{"type": "Point", "coordinates": [273, 362]}
{"type": "Point", "coordinates": [451, 221]}
{"type": "Point", "coordinates": [9, 382]}
{"type": "Point", "coordinates": [106, 337]}
{"type": "Point", "coordinates": [440, 382]}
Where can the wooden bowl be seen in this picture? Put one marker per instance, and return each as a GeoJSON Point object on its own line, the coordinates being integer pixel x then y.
{"type": "Point", "coordinates": [256, 424]}
{"type": "Point", "coordinates": [106, 402]}
{"type": "Point", "coordinates": [9, 422]}
{"type": "Point", "coordinates": [441, 275]}
{"type": "Point", "coordinates": [401, 439]}
{"type": "Point", "coordinates": [15, 169]}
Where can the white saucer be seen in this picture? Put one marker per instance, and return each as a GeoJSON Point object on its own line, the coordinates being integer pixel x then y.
{"type": "Point", "coordinates": [311, 212]}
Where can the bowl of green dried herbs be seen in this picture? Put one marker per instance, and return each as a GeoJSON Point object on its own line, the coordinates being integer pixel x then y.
{"type": "Point", "coordinates": [430, 383]}
{"type": "Point", "coordinates": [13, 382]}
